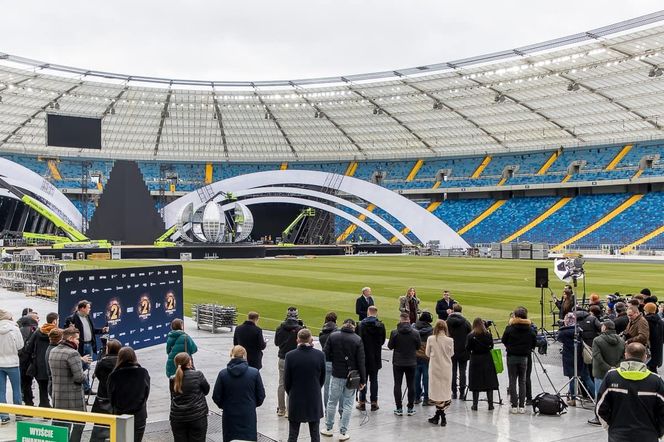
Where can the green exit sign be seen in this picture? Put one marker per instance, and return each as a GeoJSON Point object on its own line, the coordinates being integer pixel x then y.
{"type": "Point", "coordinates": [31, 432]}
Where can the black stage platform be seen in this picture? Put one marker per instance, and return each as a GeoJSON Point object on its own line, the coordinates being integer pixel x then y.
{"type": "Point", "coordinates": [228, 251]}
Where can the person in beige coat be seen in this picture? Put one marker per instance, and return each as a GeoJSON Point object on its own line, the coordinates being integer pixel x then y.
{"type": "Point", "coordinates": [439, 350]}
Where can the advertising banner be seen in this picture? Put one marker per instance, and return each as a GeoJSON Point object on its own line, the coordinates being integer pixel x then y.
{"type": "Point", "coordinates": [137, 304]}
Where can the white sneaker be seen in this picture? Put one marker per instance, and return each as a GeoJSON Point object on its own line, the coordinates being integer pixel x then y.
{"type": "Point", "coordinates": [514, 410]}
{"type": "Point", "coordinates": [522, 410]}
{"type": "Point", "coordinates": [326, 432]}
{"type": "Point", "coordinates": [344, 436]}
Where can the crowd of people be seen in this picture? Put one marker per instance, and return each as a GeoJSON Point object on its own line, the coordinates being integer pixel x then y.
{"type": "Point", "coordinates": [434, 362]}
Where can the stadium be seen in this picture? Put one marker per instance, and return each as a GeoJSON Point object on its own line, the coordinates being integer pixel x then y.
{"type": "Point", "coordinates": [467, 175]}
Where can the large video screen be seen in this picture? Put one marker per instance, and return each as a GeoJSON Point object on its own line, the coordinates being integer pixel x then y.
{"type": "Point", "coordinates": [137, 304]}
{"type": "Point", "coordinates": [78, 132]}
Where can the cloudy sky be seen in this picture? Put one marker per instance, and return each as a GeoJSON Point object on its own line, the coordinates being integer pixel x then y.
{"type": "Point", "coordinates": [287, 39]}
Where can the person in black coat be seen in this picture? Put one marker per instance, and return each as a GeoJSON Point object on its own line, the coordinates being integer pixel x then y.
{"type": "Point", "coordinates": [102, 404]}
{"type": "Point", "coordinates": [304, 376]}
{"type": "Point", "coordinates": [128, 390]}
{"type": "Point", "coordinates": [481, 370]}
{"type": "Point", "coordinates": [459, 327]}
{"type": "Point", "coordinates": [519, 340]}
{"type": "Point", "coordinates": [250, 336]}
{"type": "Point", "coordinates": [189, 408]}
{"type": "Point", "coordinates": [621, 319]}
{"type": "Point", "coordinates": [329, 327]}
{"type": "Point", "coordinates": [286, 339]}
{"type": "Point", "coordinates": [27, 324]}
{"type": "Point", "coordinates": [405, 341]}
{"type": "Point", "coordinates": [444, 305]}
{"type": "Point", "coordinates": [566, 338]}
{"type": "Point", "coordinates": [372, 332]}
{"type": "Point", "coordinates": [238, 390]}
{"type": "Point", "coordinates": [424, 328]}
{"type": "Point", "coordinates": [35, 349]}
{"type": "Point", "coordinates": [656, 327]}
{"type": "Point", "coordinates": [363, 303]}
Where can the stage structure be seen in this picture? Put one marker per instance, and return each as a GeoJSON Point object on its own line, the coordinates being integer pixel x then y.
{"type": "Point", "coordinates": [319, 190]}
{"type": "Point", "coordinates": [208, 223]}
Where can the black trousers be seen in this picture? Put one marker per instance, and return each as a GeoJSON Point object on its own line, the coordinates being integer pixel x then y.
{"type": "Point", "coordinates": [529, 372]}
{"type": "Point", "coordinates": [294, 431]}
{"type": "Point", "coordinates": [516, 371]}
{"type": "Point", "coordinates": [399, 373]}
{"type": "Point", "coordinates": [192, 431]}
{"type": "Point", "coordinates": [26, 389]}
{"type": "Point", "coordinates": [372, 382]}
{"type": "Point", "coordinates": [459, 366]}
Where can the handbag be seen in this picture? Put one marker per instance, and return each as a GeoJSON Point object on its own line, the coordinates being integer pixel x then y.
{"type": "Point", "coordinates": [587, 354]}
{"type": "Point", "coordinates": [550, 404]}
{"type": "Point", "coordinates": [497, 356]}
{"type": "Point", "coordinates": [353, 380]}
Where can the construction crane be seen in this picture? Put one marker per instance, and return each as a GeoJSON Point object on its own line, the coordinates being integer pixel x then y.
{"type": "Point", "coordinates": [293, 230]}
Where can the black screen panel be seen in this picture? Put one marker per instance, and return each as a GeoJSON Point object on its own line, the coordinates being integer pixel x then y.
{"type": "Point", "coordinates": [77, 132]}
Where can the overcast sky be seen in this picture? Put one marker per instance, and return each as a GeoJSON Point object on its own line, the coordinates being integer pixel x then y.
{"type": "Point", "coordinates": [288, 39]}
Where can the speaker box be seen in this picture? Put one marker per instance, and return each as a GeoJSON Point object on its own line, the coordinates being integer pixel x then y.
{"type": "Point", "coordinates": [542, 277]}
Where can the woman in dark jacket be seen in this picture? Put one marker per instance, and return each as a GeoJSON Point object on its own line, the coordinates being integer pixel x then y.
{"type": "Point", "coordinates": [238, 391]}
{"type": "Point", "coordinates": [177, 342]}
{"type": "Point", "coordinates": [128, 390]}
{"type": "Point", "coordinates": [424, 328]}
{"type": "Point", "coordinates": [36, 348]}
{"type": "Point", "coordinates": [566, 338]}
{"type": "Point", "coordinates": [189, 408]}
{"type": "Point", "coordinates": [102, 404]}
{"type": "Point", "coordinates": [481, 371]}
{"type": "Point", "coordinates": [656, 337]}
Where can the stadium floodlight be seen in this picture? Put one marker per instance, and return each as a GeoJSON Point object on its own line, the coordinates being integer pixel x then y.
{"type": "Point", "coordinates": [57, 106]}
{"type": "Point", "coordinates": [0, 98]}
{"type": "Point", "coordinates": [113, 111]}
{"type": "Point", "coordinates": [573, 86]}
{"type": "Point", "coordinates": [655, 72]}
{"type": "Point", "coordinates": [437, 105]}
{"type": "Point", "coordinates": [500, 98]}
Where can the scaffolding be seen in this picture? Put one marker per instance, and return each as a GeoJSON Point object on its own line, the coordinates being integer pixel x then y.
{"type": "Point", "coordinates": [34, 275]}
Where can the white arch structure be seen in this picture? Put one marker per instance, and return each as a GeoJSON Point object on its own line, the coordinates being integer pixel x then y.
{"type": "Point", "coordinates": [24, 178]}
{"type": "Point", "coordinates": [423, 224]}
{"type": "Point", "coordinates": [335, 199]}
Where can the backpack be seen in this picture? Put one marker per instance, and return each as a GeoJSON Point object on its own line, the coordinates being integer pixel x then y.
{"type": "Point", "coordinates": [549, 404]}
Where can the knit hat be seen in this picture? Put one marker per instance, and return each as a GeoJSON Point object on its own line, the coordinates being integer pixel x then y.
{"type": "Point", "coordinates": [4, 314]}
{"type": "Point", "coordinates": [646, 292]}
{"type": "Point", "coordinates": [650, 308]}
{"type": "Point", "coordinates": [609, 324]}
{"type": "Point", "coordinates": [570, 319]}
{"type": "Point", "coordinates": [292, 313]}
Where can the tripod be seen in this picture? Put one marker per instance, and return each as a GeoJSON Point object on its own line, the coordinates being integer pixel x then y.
{"type": "Point", "coordinates": [576, 378]}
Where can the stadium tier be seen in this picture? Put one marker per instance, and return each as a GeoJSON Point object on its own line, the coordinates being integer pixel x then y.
{"type": "Point", "coordinates": [576, 219]}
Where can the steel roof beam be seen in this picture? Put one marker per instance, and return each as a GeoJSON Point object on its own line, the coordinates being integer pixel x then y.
{"type": "Point", "coordinates": [389, 114]}
{"type": "Point", "coordinates": [327, 117]}
{"type": "Point", "coordinates": [164, 113]}
{"type": "Point", "coordinates": [273, 118]}
{"type": "Point", "coordinates": [220, 122]}
{"type": "Point", "coordinates": [114, 101]}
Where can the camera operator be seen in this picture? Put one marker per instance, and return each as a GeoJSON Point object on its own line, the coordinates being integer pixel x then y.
{"type": "Point", "coordinates": [566, 302]}
{"type": "Point", "coordinates": [566, 338]}
{"type": "Point", "coordinates": [637, 329]}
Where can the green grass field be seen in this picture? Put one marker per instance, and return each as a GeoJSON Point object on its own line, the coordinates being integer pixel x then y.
{"type": "Point", "coordinates": [486, 288]}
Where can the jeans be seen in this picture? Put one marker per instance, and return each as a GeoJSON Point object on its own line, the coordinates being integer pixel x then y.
{"type": "Point", "coordinates": [87, 350]}
{"type": "Point", "coordinates": [343, 396]}
{"type": "Point", "coordinates": [326, 386]}
{"type": "Point", "coordinates": [192, 431]}
{"type": "Point", "coordinates": [598, 383]}
{"type": "Point", "coordinates": [399, 372]}
{"type": "Point", "coordinates": [422, 379]}
{"type": "Point", "coordinates": [14, 375]}
{"type": "Point", "coordinates": [372, 386]}
{"type": "Point", "coordinates": [294, 431]}
{"type": "Point", "coordinates": [459, 365]}
{"type": "Point", "coordinates": [516, 371]}
{"type": "Point", "coordinates": [281, 390]}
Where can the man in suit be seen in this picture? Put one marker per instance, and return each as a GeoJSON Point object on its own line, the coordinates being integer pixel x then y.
{"type": "Point", "coordinates": [87, 344]}
{"type": "Point", "coordinates": [363, 302]}
{"type": "Point", "coordinates": [67, 377]}
{"type": "Point", "coordinates": [304, 374]}
{"type": "Point", "coordinates": [444, 305]}
{"type": "Point", "coordinates": [250, 336]}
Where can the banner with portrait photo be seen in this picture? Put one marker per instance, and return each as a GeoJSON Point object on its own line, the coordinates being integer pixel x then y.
{"type": "Point", "coordinates": [137, 303]}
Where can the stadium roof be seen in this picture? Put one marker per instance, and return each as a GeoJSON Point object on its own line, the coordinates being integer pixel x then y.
{"type": "Point", "coordinates": [601, 86]}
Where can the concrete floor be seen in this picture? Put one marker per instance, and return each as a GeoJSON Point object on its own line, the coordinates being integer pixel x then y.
{"type": "Point", "coordinates": [382, 425]}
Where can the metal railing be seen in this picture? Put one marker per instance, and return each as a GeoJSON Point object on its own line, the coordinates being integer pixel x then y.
{"type": "Point", "coordinates": [121, 427]}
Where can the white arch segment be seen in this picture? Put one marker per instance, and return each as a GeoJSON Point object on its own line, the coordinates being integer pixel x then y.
{"type": "Point", "coordinates": [49, 195]}
{"type": "Point", "coordinates": [423, 224]}
{"type": "Point", "coordinates": [310, 203]}
{"type": "Point", "coordinates": [325, 196]}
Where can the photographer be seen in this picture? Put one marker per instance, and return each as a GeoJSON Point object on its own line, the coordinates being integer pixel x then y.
{"type": "Point", "coordinates": [567, 339]}
{"type": "Point", "coordinates": [621, 320]}
{"type": "Point", "coordinates": [565, 304]}
{"type": "Point", "coordinates": [637, 329]}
